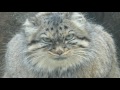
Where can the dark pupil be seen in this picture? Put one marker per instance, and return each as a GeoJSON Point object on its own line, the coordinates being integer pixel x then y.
{"type": "Point", "coordinates": [46, 39]}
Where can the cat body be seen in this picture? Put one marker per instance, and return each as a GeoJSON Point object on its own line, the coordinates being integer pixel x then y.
{"type": "Point", "coordinates": [61, 45]}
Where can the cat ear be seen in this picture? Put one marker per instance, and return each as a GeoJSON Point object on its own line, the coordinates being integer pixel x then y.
{"type": "Point", "coordinates": [30, 26]}
{"type": "Point", "coordinates": [34, 21]}
{"type": "Point", "coordinates": [29, 29]}
{"type": "Point", "coordinates": [40, 14]}
{"type": "Point", "coordinates": [78, 17]}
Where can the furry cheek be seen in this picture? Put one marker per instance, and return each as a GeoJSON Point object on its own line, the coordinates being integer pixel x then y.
{"type": "Point", "coordinates": [35, 47]}
{"type": "Point", "coordinates": [83, 43]}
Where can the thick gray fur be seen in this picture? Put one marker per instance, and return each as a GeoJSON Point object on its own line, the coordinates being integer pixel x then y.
{"type": "Point", "coordinates": [99, 61]}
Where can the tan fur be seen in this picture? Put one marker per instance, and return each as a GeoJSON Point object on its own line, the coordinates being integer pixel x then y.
{"type": "Point", "coordinates": [91, 54]}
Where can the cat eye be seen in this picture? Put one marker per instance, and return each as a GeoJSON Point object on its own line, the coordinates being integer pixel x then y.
{"type": "Point", "coordinates": [45, 39]}
{"type": "Point", "coordinates": [69, 37]}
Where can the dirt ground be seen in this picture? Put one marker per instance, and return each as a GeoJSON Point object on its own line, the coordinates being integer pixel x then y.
{"type": "Point", "coordinates": [10, 23]}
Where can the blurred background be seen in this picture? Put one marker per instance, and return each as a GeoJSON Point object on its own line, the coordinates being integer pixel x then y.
{"type": "Point", "coordinates": [10, 23]}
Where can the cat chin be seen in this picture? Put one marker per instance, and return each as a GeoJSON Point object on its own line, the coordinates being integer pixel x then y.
{"type": "Point", "coordinates": [50, 62]}
{"type": "Point", "coordinates": [60, 58]}
{"type": "Point", "coordinates": [49, 65]}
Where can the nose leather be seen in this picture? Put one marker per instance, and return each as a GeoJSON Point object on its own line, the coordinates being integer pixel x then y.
{"type": "Point", "coordinates": [59, 50]}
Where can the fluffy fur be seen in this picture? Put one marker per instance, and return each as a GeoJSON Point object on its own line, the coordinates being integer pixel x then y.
{"type": "Point", "coordinates": [61, 45]}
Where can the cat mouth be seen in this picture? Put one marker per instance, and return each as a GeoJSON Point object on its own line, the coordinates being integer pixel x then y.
{"type": "Point", "coordinates": [60, 58]}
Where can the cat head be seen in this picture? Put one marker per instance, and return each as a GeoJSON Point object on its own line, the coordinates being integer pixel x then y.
{"type": "Point", "coordinates": [56, 39]}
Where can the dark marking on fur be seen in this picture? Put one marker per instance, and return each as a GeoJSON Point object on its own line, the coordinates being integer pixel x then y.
{"type": "Point", "coordinates": [82, 46]}
{"type": "Point", "coordinates": [84, 38]}
{"type": "Point", "coordinates": [47, 29]}
{"type": "Point", "coordinates": [33, 42]}
{"type": "Point", "coordinates": [51, 28]}
{"type": "Point", "coordinates": [60, 28]}
{"type": "Point", "coordinates": [65, 27]}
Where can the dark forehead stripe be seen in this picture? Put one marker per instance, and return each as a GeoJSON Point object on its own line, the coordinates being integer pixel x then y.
{"type": "Point", "coordinates": [55, 19]}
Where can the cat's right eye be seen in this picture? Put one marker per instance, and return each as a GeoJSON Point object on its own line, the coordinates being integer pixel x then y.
{"type": "Point", "coordinates": [45, 39]}
{"type": "Point", "coordinates": [69, 37]}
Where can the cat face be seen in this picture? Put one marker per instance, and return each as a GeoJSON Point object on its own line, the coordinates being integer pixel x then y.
{"type": "Point", "coordinates": [56, 40]}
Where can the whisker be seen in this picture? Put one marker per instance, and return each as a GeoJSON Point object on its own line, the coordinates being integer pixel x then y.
{"type": "Point", "coordinates": [34, 55]}
{"type": "Point", "coordinates": [34, 59]}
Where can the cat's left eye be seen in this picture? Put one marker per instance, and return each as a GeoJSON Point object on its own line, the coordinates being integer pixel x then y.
{"type": "Point", "coordinates": [45, 39]}
{"type": "Point", "coordinates": [69, 37]}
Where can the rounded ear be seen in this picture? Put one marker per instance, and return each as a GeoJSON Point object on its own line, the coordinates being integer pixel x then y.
{"type": "Point", "coordinates": [34, 21]}
{"type": "Point", "coordinates": [77, 16]}
{"type": "Point", "coordinates": [42, 14]}
{"type": "Point", "coordinates": [29, 27]}
{"type": "Point", "coordinates": [27, 23]}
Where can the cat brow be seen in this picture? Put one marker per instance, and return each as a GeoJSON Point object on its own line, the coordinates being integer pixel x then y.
{"type": "Point", "coordinates": [84, 38]}
{"type": "Point", "coordinates": [43, 34]}
{"type": "Point", "coordinates": [71, 31]}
